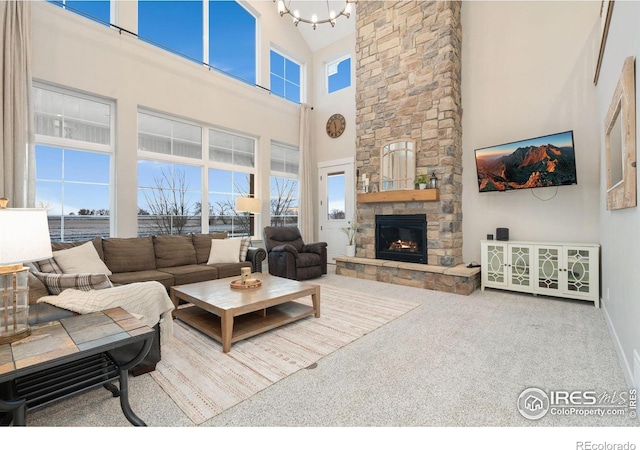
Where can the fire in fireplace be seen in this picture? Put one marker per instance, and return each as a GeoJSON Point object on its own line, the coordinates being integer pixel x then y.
{"type": "Point", "coordinates": [402, 237]}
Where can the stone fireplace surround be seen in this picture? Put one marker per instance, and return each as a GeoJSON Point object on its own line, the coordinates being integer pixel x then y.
{"type": "Point", "coordinates": [408, 59]}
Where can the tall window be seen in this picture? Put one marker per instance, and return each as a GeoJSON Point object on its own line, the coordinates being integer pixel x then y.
{"type": "Point", "coordinates": [338, 73]}
{"type": "Point", "coordinates": [74, 148]}
{"type": "Point", "coordinates": [219, 33]}
{"type": "Point", "coordinates": [234, 159]}
{"type": "Point", "coordinates": [99, 10]}
{"type": "Point", "coordinates": [175, 160]}
{"type": "Point", "coordinates": [285, 77]}
{"type": "Point", "coordinates": [169, 176]}
{"type": "Point", "coordinates": [232, 40]}
{"type": "Point", "coordinates": [175, 25]}
{"type": "Point", "coordinates": [284, 185]}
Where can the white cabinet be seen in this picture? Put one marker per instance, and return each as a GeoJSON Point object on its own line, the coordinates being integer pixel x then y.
{"type": "Point", "coordinates": [556, 269]}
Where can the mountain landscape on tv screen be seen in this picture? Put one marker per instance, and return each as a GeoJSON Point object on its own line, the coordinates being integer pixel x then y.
{"type": "Point", "coordinates": [527, 167]}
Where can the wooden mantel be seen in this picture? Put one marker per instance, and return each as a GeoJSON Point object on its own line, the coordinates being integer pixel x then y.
{"type": "Point", "coordinates": [408, 195]}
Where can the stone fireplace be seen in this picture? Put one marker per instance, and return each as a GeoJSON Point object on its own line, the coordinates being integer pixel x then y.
{"type": "Point", "coordinates": [408, 88]}
{"type": "Point", "coordinates": [408, 77]}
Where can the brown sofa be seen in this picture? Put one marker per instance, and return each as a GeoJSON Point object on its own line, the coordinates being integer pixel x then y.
{"type": "Point", "coordinates": [169, 260]}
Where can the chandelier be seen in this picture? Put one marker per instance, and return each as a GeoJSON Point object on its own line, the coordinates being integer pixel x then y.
{"type": "Point", "coordinates": [284, 7]}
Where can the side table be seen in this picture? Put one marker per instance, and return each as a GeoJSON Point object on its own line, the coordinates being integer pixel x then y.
{"type": "Point", "coordinates": [69, 356]}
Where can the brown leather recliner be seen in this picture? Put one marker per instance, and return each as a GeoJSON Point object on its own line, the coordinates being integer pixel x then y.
{"type": "Point", "coordinates": [289, 257]}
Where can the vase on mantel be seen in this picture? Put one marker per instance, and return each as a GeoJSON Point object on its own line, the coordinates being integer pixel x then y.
{"type": "Point", "coordinates": [351, 250]}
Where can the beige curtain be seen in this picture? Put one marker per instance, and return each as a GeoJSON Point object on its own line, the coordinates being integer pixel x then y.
{"type": "Point", "coordinates": [17, 166]}
{"type": "Point", "coordinates": [306, 178]}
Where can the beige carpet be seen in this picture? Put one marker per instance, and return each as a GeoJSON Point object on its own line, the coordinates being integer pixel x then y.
{"type": "Point", "coordinates": [203, 381]}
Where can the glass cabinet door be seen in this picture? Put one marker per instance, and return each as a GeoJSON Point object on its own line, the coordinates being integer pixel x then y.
{"type": "Point", "coordinates": [520, 265]}
{"type": "Point", "coordinates": [578, 269]}
{"type": "Point", "coordinates": [549, 263]}
{"type": "Point", "coordinates": [496, 264]}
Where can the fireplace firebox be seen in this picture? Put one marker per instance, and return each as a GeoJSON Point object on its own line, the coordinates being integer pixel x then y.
{"type": "Point", "coordinates": [402, 237]}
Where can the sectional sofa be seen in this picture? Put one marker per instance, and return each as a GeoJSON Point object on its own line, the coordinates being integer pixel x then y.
{"type": "Point", "coordinates": [169, 260]}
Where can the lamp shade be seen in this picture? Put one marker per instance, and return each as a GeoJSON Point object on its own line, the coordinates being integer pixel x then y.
{"type": "Point", "coordinates": [248, 204]}
{"type": "Point", "coordinates": [24, 235]}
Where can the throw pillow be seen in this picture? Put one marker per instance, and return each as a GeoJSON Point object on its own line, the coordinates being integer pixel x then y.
{"type": "Point", "coordinates": [202, 244]}
{"type": "Point", "coordinates": [56, 283]}
{"type": "Point", "coordinates": [244, 248]}
{"type": "Point", "coordinates": [224, 251]}
{"type": "Point", "coordinates": [81, 259]}
{"type": "Point", "coordinates": [49, 266]}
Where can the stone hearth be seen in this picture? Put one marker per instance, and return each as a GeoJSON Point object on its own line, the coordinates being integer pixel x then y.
{"type": "Point", "coordinates": [459, 280]}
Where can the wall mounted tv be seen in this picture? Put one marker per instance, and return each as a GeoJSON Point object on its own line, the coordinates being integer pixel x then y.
{"type": "Point", "coordinates": [538, 162]}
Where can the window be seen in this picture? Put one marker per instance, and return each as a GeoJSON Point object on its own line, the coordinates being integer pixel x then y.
{"type": "Point", "coordinates": [173, 168]}
{"type": "Point", "coordinates": [169, 137]}
{"type": "Point", "coordinates": [169, 198]}
{"type": "Point", "coordinates": [99, 10]}
{"type": "Point", "coordinates": [225, 187]}
{"type": "Point", "coordinates": [73, 163]}
{"type": "Point", "coordinates": [175, 25]}
{"type": "Point", "coordinates": [284, 185]}
{"type": "Point", "coordinates": [169, 193]}
{"type": "Point", "coordinates": [285, 77]}
{"type": "Point", "coordinates": [235, 153]}
{"type": "Point", "coordinates": [231, 149]}
{"type": "Point", "coordinates": [219, 33]}
{"type": "Point", "coordinates": [232, 40]}
{"type": "Point", "coordinates": [338, 74]}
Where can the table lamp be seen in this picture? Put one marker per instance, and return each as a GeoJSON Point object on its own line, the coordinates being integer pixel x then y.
{"type": "Point", "coordinates": [24, 237]}
{"type": "Point", "coordinates": [249, 205]}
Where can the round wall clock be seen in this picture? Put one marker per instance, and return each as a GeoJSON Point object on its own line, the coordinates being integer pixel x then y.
{"type": "Point", "coordinates": [336, 125]}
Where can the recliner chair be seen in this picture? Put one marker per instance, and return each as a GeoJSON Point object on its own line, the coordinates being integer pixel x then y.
{"type": "Point", "coordinates": [289, 257]}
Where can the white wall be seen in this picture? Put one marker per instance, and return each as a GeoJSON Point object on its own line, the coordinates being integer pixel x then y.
{"type": "Point", "coordinates": [527, 71]}
{"type": "Point", "coordinates": [74, 52]}
{"type": "Point", "coordinates": [339, 102]}
{"type": "Point", "coordinates": [620, 230]}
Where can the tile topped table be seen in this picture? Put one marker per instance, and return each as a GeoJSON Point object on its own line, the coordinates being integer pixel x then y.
{"type": "Point", "coordinates": [65, 357]}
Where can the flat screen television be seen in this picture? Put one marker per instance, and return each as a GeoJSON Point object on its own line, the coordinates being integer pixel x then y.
{"type": "Point", "coordinates": [532, 163]}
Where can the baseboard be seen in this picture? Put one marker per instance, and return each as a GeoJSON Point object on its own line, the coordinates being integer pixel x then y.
{"type": "Point", "coordinates": [627, 369]}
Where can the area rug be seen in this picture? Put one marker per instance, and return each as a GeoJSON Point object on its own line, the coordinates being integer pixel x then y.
{"type": "Point", "coordinates": [204, 382]}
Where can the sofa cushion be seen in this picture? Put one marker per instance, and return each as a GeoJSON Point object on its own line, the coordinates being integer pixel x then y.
{"type": "Point", "coordinates": [142, 275]}
{"type": "Point", "coordinates": [56, 283]}
{"type": "Point", "coordinates": [80, 259]}
{"type": "Point", "coordinates": [191, 274]}
{"type": "Point", "coordinates": [202, 244]}
{"type": "Point", "coordinates": [224, 251]}
{"type": "Point", "coordinates": [173, 251]}
{"type": "Point", "coordinates": [97, 243]}
{"type": "Point", "coordinates": [129, 254]}
{"type": "Point", "coordinates": [230, 270]}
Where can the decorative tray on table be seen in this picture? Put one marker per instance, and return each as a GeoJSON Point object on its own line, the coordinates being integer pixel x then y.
{"type": "Point", "coordinates": [251, 283]}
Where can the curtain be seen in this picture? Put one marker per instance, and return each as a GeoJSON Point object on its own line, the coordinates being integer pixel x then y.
{"type": "Point", "coordinates": [17, 165]}
{"type": "Point", "coordinates": [306, 178]}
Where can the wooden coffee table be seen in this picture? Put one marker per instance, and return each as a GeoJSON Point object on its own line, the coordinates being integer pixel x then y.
{"type": "Point", "coordinates": [224, 313]}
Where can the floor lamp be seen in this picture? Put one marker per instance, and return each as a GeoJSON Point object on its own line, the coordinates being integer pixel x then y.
{"type": "Point", "coordinates": [24, 238]}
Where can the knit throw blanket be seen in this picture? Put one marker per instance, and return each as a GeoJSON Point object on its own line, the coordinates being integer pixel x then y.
{"type": "Point", "coordinates": [148, 301]}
